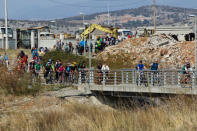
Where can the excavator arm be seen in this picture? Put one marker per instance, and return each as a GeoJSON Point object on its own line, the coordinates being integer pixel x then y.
{"type": "Point", "coordinates": [101, 28]}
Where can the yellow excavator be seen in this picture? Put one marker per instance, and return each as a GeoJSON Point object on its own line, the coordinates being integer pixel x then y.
{"type": "Point", "coordinates": [112, 31]}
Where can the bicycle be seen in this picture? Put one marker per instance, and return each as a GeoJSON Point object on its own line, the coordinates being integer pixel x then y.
{"type": "Point", "coordinates": [156, 78]}
{"type": "Point", "coordinates": [49, 77]}
{"type": "Point", "coordinates": [186, 80]}
{"type": "Point", "coordinates": [100, 77]}
{"type": "Point", "coordinates": [141, 79]}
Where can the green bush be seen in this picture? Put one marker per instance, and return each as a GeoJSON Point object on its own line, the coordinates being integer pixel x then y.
{"type": "Point", "coordinates": [66, 58]}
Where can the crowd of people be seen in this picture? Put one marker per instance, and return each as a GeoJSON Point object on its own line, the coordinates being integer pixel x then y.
{"type": "Point", "coordinates": [101, 43]}
{"type": "Point", "coordinates": [81, 46]}
{"type": "Point", "coordinates": [68, 47]}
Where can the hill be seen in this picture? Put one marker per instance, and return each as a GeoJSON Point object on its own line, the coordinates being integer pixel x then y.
{"type": "Point", "coordinates": [127, 18]}
{"type": "Point", "coordinates": [142, 16]}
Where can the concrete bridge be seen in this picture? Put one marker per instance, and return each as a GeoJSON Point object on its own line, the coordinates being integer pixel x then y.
{"type": "Point", "coordinates": [126, 83]}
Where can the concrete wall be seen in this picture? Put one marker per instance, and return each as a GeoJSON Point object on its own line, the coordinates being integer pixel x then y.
{"type": "Point", "coordinates": [12, 44]}
{"type": "Point", "coordinates": [167, 30]}
{"type": "Point", "coordinates": [47, 43]}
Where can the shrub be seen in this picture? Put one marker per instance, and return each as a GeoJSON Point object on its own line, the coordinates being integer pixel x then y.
{"type": "Point", "coordinates": [17, 83]}
{"type": "Point", "coordinates": [66, 58]}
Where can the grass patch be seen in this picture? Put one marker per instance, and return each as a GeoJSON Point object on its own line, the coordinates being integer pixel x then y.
{"type": "Point", "coordinates": [177, 114]}
{"type": "Point", "coordinates": [16, 83]}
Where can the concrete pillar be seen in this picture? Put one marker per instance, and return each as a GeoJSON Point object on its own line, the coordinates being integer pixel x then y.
{"type": "Point", "coordinates": [32, 39]}
{"type": "Point", "coordinates": [61, 37]}
{"type": "Point", "coordinates": [39, 39]}
{"type": "Point", "coordinates": [15, 39]}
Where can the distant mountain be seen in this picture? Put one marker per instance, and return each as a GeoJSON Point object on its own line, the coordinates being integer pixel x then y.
{"type": "Point", "coordinates": [142, 16]}
{"type": "Point", "coordinates": [128, 18]}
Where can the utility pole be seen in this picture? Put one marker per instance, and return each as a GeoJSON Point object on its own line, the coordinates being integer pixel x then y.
{"type": "Point", "coordinates": [195, 45]}
{"type": "Point", "coordinates": [83, 14]}
{"type": "Point", "coordinates": [155, 20]}
{"type": "Point", "coordinates": [6, 26]}
{"type": "Point", "coordinates": [90, 53]}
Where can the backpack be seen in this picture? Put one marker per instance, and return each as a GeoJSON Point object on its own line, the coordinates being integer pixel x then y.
{"type": "Point", "coordinates": [154, 66]}
{"type": "Point", "coordinates": [183, 70]}
{"type": "Point", "coordinates": [68, 69]}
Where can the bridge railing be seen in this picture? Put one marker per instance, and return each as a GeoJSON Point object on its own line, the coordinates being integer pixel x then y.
{"type": "Point", "coordinates": [160, 78]}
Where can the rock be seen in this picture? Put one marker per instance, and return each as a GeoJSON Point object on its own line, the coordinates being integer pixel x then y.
{"type": "Point", "coordinates": [95, 101]}
{"type": "Point", "coordinates": [129, 52]}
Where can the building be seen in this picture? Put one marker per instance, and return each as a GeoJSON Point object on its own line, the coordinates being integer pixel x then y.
{"type": "Point", "coordinates": [184, 31]}
{"type": "Point", "coordinates": [11, 38]}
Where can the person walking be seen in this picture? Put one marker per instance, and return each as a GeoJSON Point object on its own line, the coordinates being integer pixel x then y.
{"type": "Point", "coordinates": [6, 59]}
{"type": "Point", "coordinates": [1, 59]}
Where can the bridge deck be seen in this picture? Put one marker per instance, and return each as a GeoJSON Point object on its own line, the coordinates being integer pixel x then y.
{"type": "Point", "coordinates": [166, 82]}
{"type": "Point", "coordinates": [132, 88]}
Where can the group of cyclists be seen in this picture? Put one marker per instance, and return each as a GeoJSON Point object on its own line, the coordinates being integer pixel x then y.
{"type": "Point", "coordinates": [57, 72]}
{"type": "Point", "coordinates": [61, 73]}
{"type": "Point", "coordinates": [141, 79]}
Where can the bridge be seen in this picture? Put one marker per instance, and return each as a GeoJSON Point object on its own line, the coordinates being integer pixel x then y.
{"type": "Point", "coordinates": [126, 83]}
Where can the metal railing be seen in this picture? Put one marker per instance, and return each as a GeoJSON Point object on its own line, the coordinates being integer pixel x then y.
{"type": "Point", "coordinates": [148, 78]}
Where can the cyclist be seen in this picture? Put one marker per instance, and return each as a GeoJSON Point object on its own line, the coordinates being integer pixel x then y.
{"type": "Point", "coordinates": [61, 72]}
{"type": "Point", "coordinates": [32, 68]}
{"type": "Point", "coordinates": [105, 69]}
{"type": "Point", "coordinates": [38, 67]}
{"type": "Point", "coordinates": [67, 72]}
{"type": "Point", "coordinates": [186, 71]}
{"type": "Point", "coordinates": [57, 65]}
{"type": "Point", "coordinates": [154, 68]}
{"type": "Point", "coordinates": [73, 71]}
{"type": "Point", "coordinates": [141, 75]}
{"type": "Point", "coordinates": [100, 74]}
{"type": "Point", "coordinates": [140, 66]}
{"type": "Point", "coordinates": [49, 68]}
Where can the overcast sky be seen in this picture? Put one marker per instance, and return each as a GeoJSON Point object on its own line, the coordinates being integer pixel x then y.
{"type": "Point", "coordinates": [52, 9]}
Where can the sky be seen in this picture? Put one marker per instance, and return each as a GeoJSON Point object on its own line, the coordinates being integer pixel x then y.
{"type": "Point", "coordinates": [54, 9]}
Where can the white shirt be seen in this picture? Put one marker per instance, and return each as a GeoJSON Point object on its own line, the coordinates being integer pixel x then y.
{"type": "Point", "coordinates": [105, 68]}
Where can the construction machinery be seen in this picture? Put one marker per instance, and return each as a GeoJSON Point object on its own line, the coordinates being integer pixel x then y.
{"type": "Point", "coordinates": [109, 30]}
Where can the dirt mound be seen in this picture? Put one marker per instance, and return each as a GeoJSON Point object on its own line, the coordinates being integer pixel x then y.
{"type": "Point", "coordinates": [169, 52]}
